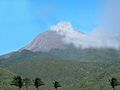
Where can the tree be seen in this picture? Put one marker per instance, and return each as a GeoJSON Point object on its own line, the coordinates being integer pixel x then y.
{"type": "Point", "coordinates": [38, 82]}
{"type": "Point", "coordinates": [27, 82]}
{"type": "Point", "coordinates": [114, 82]}
{"type": "Point", "coordinates": [56, 85]}
{"type": "Point", "coordinates": [18, 82]}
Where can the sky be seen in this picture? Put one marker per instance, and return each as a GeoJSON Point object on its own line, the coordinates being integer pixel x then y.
{"type": "Point", "coordinates": [22, 20]}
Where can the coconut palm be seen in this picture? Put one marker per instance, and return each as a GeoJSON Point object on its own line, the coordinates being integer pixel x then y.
{"type": "Point", "coordinates": [56, 85]}
{"type": "Point", "coordinates": [27, 82]}
{"type": "Point", "coordinates": [18, 82]}
{"type": "Point", "coordinates": [114, 82]}
{"type": "Point", "coordinates": [38, 82]}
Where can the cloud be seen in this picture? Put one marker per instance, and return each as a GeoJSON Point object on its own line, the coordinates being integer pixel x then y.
{"type": "Point", "coordinates": [62, 26]}
{"type": "Point", "coordinates": [96, 39]}
{"type": "Point", "coordinates": [106, 36]}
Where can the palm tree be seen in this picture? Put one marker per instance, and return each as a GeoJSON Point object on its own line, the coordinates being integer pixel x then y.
{"type": "Point", "coordinates": [18, 82]}
{"type": "Point", "coordinates": [38, 82]}
{"type": "Point", "coordinates": [56, 85]}
{"type": "Point", "coordinates": [27, 82]}
{"type": "Point", "coordinates": [114, 82]}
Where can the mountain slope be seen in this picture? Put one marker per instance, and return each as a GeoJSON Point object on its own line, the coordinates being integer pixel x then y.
{"type": "Point", "coordinates": [73, 75]}
{"type": "Point", "coordinates": [55, 38]}
{"type": "Point", "coordinates": [69, 53]}
{"type": "Point", "coordinates": [5, 80]}
{"type": "Point", "coordinates": [46, 41]}
{"type": "Point", "coordinates": [58, 55]}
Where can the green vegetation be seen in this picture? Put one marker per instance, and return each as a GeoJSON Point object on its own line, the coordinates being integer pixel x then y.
{"type": "Point", "coordinates": [27, 82]}
{"type": "Point", "coordinates": [89, 69]}
{"type": "Point", "coordinates": [18, 82]}
{"type": "Point", "coordinates": [114, 82]}
{"type": "Point", "coordinates": [5, 79]}
{"type": "Point", "coordinates": [38, 83]}
{"type": "Point", "coordinates": [56, 85]}
{"type": "Point", "coordinates": [73, 75]}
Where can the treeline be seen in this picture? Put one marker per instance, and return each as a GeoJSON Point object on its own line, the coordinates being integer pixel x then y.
{"type": "Point", "coordinates": [20, 82]}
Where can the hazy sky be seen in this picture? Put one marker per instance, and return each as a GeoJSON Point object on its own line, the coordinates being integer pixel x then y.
{"type": "Point", "coordinates": [22, 20]}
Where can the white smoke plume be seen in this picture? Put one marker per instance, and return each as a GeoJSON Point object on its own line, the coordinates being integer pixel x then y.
{"type": "Point", "coordinates": [107, 37]}
{"type": "Point", "coordinates": [96, 39]}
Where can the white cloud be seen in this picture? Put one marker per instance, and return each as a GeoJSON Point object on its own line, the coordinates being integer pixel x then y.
{"type": "Point", "coordinates": [104, 38]}
{"type": "Point", "coordinates": [96, 39]}
{"type": "Point", "coordinates": [62, 26]}
{"type": "Point", "coordinates": [108, 36]}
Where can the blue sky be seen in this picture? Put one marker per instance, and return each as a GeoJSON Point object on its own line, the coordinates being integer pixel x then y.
{"type": "Point", "coordinates": [22, 20]}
